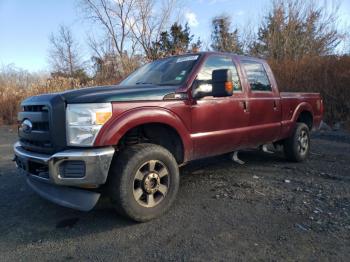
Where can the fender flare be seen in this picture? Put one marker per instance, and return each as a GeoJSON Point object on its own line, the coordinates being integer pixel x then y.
{"type": "Point", "coordinates": [116, 128]}
{"type": "Point", "coordinates": [289, 125]}
{"type": "Point", "coordinates": [304, 106]}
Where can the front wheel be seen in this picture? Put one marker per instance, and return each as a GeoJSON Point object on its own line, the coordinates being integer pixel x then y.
{"type": "Point", "coordinates": [297, 147]}
{"type": "Point", "coordinates": [143, 181]}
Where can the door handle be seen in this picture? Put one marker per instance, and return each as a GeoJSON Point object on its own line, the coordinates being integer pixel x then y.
{"type": "Point", "coordinates": [274, 105]}
{"type": "Point", "coordinates": [244, 106]}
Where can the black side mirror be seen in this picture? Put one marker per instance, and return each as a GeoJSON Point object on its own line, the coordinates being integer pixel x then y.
{"type": "Point", "coordinates": [222, 83]}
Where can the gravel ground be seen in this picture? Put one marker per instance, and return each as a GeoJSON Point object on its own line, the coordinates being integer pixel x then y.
{"type": "Point", "coordinates": [267, 209]}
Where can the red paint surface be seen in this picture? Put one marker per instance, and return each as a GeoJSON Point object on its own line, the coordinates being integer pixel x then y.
{"type": "Point", "coordinates": [211, 126]}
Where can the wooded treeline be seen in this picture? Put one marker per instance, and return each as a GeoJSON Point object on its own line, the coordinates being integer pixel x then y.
{"type": "Point", "coordinates": [300, 39]}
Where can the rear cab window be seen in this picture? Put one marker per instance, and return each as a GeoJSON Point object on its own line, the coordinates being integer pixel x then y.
{"type": "Point", "coordinates": [215, 62]}
{"type": "Point", "coordinates": [257, 76]}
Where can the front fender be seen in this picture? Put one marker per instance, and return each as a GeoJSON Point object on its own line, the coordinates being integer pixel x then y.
{"type": "Point", "coordinates": [117, 127]}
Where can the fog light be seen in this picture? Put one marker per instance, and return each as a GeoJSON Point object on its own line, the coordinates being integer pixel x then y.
{"type": "Point", "coordinates": [72, 169]}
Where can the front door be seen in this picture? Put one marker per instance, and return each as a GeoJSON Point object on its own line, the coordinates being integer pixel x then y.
{"type": "Point", "coordinates": [218, 122]}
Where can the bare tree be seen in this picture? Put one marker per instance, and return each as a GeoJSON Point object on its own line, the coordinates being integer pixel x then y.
{"type": "Point", "coordinates": [147, 25]}
{"type": "Point", "coordinates": [130, 25]}
{"type": "Point", "coordinates": [64, 52]}
{"type": "Point", "coordinates": [114, 18]}
{"type": "Point", "coordinates": [108, 66]}
{"type": "Point", "coordinates": [113, 52]}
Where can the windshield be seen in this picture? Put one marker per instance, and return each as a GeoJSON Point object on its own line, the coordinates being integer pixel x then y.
{"type": "Point", "coordinates": [169, 71]}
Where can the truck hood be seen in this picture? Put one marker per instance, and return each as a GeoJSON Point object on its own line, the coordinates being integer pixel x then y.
{"type": "Point", "coordinates": [113, 93]}
{"type": "Point", "coordinates": [117, 93]}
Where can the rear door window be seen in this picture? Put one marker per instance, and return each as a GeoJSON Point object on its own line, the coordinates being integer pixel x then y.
{"type": "Point", "coordinates": [257, 76]}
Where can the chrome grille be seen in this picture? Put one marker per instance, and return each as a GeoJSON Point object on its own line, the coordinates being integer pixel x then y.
{"type": "Point", "coordinates": [38, 138]}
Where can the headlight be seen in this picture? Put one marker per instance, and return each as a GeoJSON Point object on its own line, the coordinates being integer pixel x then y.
{"type": "Point", "coordinates": [84, 121]}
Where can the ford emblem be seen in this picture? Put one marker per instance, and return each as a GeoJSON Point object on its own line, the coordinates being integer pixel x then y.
{"type": "Point", "coordinates": [27, 126]}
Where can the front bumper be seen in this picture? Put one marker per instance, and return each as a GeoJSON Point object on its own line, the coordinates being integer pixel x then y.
{"type": "Point", "coordinates": [48, 176]}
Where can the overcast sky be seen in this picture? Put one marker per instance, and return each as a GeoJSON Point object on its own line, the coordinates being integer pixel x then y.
{"type": "Point", "coordinates": [25, 25]}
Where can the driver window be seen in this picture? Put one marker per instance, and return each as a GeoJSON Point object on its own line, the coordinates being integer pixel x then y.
{"type": "Point", "coordinates": [214, 63]}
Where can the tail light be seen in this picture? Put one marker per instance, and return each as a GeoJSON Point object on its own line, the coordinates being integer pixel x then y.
{"type": "Point", "coordinates": [320, 106]}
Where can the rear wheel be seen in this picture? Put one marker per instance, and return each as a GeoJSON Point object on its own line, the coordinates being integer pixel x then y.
{"type": "Point", "coordinates": [143, 181]}
{"type": "Point", "coordinates": [297, 147]}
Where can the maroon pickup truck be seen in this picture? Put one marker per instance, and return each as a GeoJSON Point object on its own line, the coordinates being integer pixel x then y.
{"type": "Point", "coordinates": [128, 140]}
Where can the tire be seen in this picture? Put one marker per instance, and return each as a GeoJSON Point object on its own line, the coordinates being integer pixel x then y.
{"type": "Point", "coordinates": [137, 173]}
{"type": "Point", "coordinates": [297, 147]}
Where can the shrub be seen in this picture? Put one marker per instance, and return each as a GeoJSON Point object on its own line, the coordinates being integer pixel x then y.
{"type": "Point", "coordinates": [16, 85]}
{"type": "Point", "coordinates": [329, 75]}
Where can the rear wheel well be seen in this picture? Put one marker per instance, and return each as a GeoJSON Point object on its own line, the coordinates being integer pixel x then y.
{"type": "Point", "coordinates": [155, 133]}
{"type": "Point", "coordinates": [306, 118]}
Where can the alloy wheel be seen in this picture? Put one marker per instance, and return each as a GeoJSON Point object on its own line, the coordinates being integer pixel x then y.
{"type": "Point", "coordinates": [303, 142]}
{"type": "Point", "coordinates": [151, 183]}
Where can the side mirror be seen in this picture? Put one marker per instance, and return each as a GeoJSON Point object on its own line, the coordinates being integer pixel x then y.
{"type": "Point", "coordinates": [222, 83]}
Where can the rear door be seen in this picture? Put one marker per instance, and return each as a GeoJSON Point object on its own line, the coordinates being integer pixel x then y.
{"type": "Point", "coordinates": [218, 122]}
{"type": "Point", "coordinates": [264, 103]}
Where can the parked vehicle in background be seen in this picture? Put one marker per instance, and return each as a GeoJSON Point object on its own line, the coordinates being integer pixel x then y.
{"type": "Point", "coordinates": [128, 140]}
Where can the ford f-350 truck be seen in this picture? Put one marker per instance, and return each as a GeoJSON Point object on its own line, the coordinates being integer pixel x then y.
{"type": "Point", "coordinates": [128, 140]}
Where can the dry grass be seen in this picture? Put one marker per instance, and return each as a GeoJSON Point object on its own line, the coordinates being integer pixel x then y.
{"type": "Point", "coordinates": [329, 76]}
{"type": "Point", "coordinates": [17, 86]}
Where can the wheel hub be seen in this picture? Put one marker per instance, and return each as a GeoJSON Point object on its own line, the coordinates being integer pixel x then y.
{"type": "Point", "coordinates": [303, 142]}
{"type": "Point", "coordinates": [151, 183]}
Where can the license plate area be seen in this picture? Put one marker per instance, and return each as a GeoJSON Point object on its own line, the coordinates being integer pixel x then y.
{"type": "Point", "coordinates": [35, 168]}
{"type": "Point", "coordinates": [38, 169]}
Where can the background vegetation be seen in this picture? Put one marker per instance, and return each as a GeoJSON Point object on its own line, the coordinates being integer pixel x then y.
{"type": "Point", "coordinates": [298, 38]}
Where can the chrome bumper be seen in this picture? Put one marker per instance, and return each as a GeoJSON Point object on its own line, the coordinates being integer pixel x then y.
{"type": "Point", "coordinates": [53, 186]}
{"type": "Point", "coordinates": [96, 163]}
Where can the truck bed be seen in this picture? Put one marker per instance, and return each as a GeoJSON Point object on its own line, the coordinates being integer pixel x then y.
{"type": "Point", "coordinates": [286, 95]}
{"type": "Point", "coordinates": [291, 101]}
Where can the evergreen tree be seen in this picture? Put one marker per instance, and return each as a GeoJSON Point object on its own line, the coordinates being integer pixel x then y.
{"type": "Point", "coordinates": [175, 42]}
{"type": "Point", "coordinates": [223, 40]}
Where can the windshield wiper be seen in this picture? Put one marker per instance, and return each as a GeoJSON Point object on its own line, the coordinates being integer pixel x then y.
{"type": "Point", "coordinates": [143, 83]}
{"type": "Point", "coordinates": [159, 84]}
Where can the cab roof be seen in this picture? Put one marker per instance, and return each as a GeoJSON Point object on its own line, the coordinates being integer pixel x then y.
{"type": "Point", "coordinates": [239, 57]}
